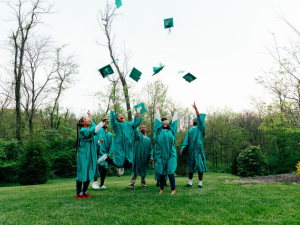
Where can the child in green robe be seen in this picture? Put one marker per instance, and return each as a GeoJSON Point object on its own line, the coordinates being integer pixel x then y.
{"type": "Point", "coordinates": [86, 153]}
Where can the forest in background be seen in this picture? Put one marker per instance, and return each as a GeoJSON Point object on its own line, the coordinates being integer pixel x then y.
{"type": "Point", "coordinates": [38, 73]}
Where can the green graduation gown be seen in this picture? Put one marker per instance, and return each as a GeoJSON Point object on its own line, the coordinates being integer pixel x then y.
{"type": "Point", "coordinates": [165, 152]}
{"type": "Point", "coordinates": [87, 155]}
{"type": "Point", "coordinates": [193, 146]}
{"type": "Point", "coordinates": [124, 139]}
{"type": "Point", "coordinates": [106, 147]}
{"type": "Point", "coordinates": [143, 152]}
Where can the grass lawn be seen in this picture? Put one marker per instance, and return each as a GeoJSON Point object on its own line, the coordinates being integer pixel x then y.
{"type": "Point", "coordinates": [218, 202]}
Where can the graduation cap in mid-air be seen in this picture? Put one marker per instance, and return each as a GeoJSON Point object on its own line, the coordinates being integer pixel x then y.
{"type": "Point", "coordinates": [189, 77]}
{"type": "Point", "coordinates": [118, 3]}
{"type": "Point", "coordinates": [168, 23]}
{"type": "Point", "coordinates": [106, 71]}
{"type": "Point", "coordinates": [135, 74]}
{"type": "Point", "coordinates": [156, 70]}
{"type": "Point", "coordinates": [143, 109]}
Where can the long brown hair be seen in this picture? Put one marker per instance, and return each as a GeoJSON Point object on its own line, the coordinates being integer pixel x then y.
{"type": "Point", "coordinates": [79, 125]}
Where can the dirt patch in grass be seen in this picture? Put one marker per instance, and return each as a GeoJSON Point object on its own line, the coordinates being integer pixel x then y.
{"type": "Point", "coordinates": [282, 178]}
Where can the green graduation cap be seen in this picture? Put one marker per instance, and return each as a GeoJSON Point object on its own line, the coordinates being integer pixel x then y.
{"type": "Point", "coordinates": [106, 71]}
{"type": "Point", "coordinates": [143, 110]}
{"type": "Point", "coordinates": [135, 74]}
{"type": "Point", "coordinates": [118, 3]}
{"type": "Point", "coordinates": [156, 70]}
{"type": "Point", "coordinates": [189, 77]}
{"type": "Point", "coordinates": [168, 23]}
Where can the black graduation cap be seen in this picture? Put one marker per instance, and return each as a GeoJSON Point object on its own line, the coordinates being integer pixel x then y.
{"type": "Point", "coordinates": [135, 74]}
{"type": "Point", "coordinates": [106, 71]}
{"type": "Point", "coordinates": [189, 77]}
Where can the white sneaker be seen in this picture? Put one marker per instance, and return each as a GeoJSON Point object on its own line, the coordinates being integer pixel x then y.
{"type": "Point", "coordinates": [101, 159]}
{"type": "Point", "coordinates": [95, 185]}
{"type": "Point", "coordinates": [122, 171]}
{"type": "Point", "coordinates": [102, 187]}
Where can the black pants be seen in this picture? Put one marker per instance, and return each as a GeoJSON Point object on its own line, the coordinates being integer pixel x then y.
{"type": "Point", "coordinates": [162, 181]}
{"type": "Point", "coordinates": [127, 164]}
{"type": "Point", "coordinates": [79, 185]}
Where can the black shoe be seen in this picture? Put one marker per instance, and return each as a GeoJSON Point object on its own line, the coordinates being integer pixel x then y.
{"type": "Point", "coordinates": [189, 185]}
{"type": "Point", "coordinates": [200, 186]}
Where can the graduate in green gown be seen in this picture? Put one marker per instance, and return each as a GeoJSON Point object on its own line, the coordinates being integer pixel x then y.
{"type": "Point", "coordinates": [143, 153]}
{"type": "Point", "coordinates": [193, 147]}
{"type": "Point", "coordinates": [124, 131]}
{"type": "Point", "coordinates": [86, 153]}
{"type": "Point", "coordinates": [104, 145]}
{"type": "Point", "coordinates": [165, 152]}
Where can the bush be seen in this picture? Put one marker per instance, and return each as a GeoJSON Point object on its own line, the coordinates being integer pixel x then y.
{"type": "Point", "coordinates": [298, 168]}
{"type": "Point", "coordinates": [182, 166]}
{"type": "Point", "coordinates": [34, 166]}
{"type": "Point", "coordinates": [11, 149]}
{"type": "Point", "coordinates": [8, 172]}
{"type": "Point", "coordinates": [251, 162]}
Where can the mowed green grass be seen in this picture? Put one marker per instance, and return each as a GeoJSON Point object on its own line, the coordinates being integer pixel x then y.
{"type": "Point", "coordinates": [218, 202]}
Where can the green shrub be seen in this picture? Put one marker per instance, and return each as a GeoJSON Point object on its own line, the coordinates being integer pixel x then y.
{"type": "Point", "coordinates": [8, 172]}
{"type": "Point", "coordinates": [33, 165]}
{"type": "Point", "coordinates": [11, 148]}
{"type": "Point", "coordinates": [182, 166]}
{"type": "Point", "coordinates": [251, 162]}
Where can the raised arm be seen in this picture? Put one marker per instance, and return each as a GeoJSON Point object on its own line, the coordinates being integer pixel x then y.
{"type": "Point", "coordinates": [174, 122]}
{"type": "Point", "coordinates": [100, 125]}
{"type": "Point", "coordinates": [113, 118]}
{"type": "Point", "coordinates": [200, 120]}
{"type": "Point", "coordinates": [185, 143]}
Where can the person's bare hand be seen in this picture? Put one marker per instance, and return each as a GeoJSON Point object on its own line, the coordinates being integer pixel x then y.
{"type": "Point", "coordinates": [157, 105]}
{"type": "Point", "coordinates": [194, 106]}
{"type": "Point", "coordinates": [176, 110]}
{"type": "Point", "coordinates": [104, 119]}
{"type": "Point", "coordinates": [180, 152]}
{"type": "Point", "coordinates": [151, 160]}
{"type": "Point", "coordinates": [101, 140]}
{"type": "Point", "coordinates": [138, 110]}
{"type": "Point", "coordinates": [89, 115]}
{"type": "Point", "coordinates": [111, 106]}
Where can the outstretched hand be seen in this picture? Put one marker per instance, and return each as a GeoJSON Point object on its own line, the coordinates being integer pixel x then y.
{"type": "Point", "coordinates": [104, 120]}
{"type": "Point", "coordinates": [101, 140]}
{"type": "Point", "coordinates": [180, 152]}
{"type": "Point", "coordinates": [194, 106]}
{"type": "Point", "coordinates": [157, 105]}
{"type": "Point", "coordinates": [111, 106]}
{"type": "Point", "coordinates": [138, 110]}
{"type": "Point", "coordinates": [176, 110]}
{"type": "Point", "coordinates": [89, 115]}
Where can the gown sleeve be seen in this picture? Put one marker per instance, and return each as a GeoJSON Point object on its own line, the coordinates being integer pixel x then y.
{"type": "Point", "coordinates": [151, 150]}
{"type": "Point", "coordinates": [99, 127]}
{"type": "Point", "coordinates": [173, 123]}
{"type": "Point", "coordinates": [201, 123]}
{"type": "Point", "coordinates": [136, 122]}
{"type": "Point", "coordinates": [92, 127]}
{"type": "Point", "coordinates": [111, 149]}
{"type": "Point", "coordinates": [185, 144]}
{"type": "Point", "coordinates": [113, 121]}
{"type": "Point", "coordinates": [157, 124]}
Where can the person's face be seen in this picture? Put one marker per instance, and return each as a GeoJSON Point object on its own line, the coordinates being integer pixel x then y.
{"type": "Point", "coordinates": [86, 122]}
{"type": "Point", "coordinates": [105, 125]}
{"type": "Point", "coordinates": [143, 129]}
{"type": "Point", "coordinates": [120, 118]}
{"type": "Point", "coordinates": [165, 123]}
{"type": "Point", "coordinates": [194, 122]}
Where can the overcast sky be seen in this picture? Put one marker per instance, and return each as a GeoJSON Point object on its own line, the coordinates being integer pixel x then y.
{"type": "Point", "coordinates": [222, 43]}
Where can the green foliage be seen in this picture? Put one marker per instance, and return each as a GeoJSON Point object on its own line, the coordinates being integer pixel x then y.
{"type": "Point", "coordinates": [11, 149]}
{"type": "Point", "coordinates": [251, 162]}
{"type": "Point", "coordinates": [34, 166]}
{"type": "Point", "coordinates": [8, 172]}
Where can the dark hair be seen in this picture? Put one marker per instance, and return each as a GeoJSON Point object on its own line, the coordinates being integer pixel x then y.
{"type": "Point", "coordinates": [142, 125]}
{"type": "Point", "coordinates": [79, 125]}
{"type": "Point", "coordinates": [164, 118]}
